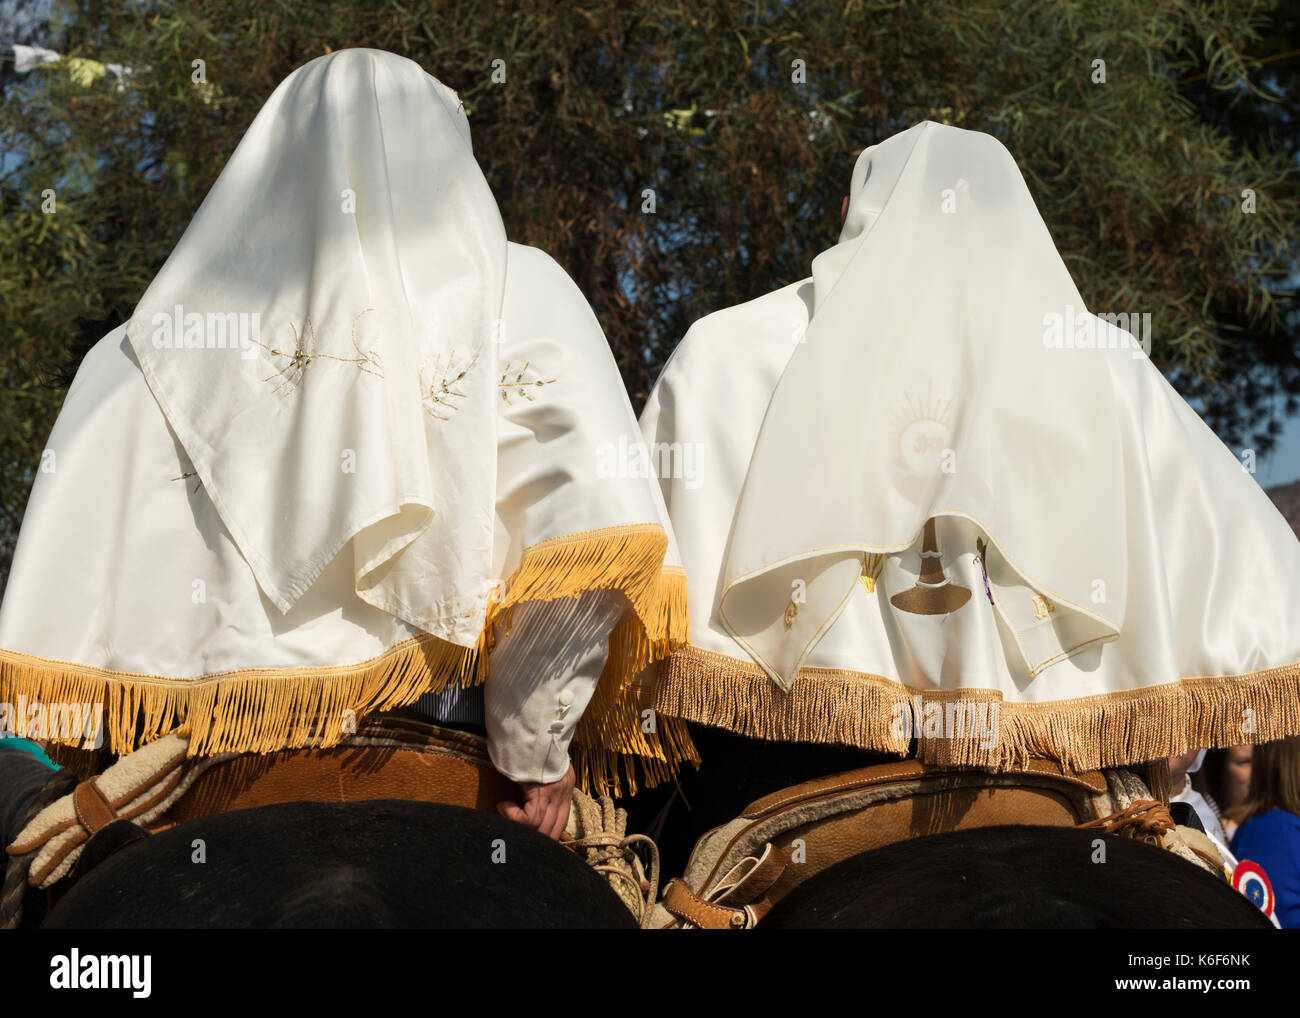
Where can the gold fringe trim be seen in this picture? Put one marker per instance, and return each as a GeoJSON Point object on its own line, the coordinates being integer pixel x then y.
{"type": "Point", "coordinates": [611, 743]}
{"type": "Point", "coordinates": [621, 726]}
{"type": "Point", "coordinates": [250, 710]}
{"type": "Point", "coordinates": [263, 710]}
{"type": "Point", "coordinates": [857, 709]}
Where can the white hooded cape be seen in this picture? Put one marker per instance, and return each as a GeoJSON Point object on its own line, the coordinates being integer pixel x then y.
{"type": "Point", "coordinates": [259, 541]}
{"type": "Point", "coordinates": [931, 492]}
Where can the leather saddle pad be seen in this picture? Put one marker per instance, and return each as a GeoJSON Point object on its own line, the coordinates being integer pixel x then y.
{"type": "Point", "coordinates": [914, 800]}
{"type": "Point", "coordinates": [390, 757]}
{"type": "Point", "coordinates": [789, 836]}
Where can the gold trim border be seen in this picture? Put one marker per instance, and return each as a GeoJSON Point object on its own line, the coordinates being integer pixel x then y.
{"type": "Point", "coordinates": [844, 707]}
{"type": "Point", "coordinates": [267, 709]}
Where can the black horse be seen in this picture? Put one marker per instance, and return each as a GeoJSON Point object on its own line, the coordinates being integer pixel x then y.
{"type": "Point", "coordinates": [383, 864]}
{"type": "Point", "coordinates": [399, 864]}
{"type": "Point", "coordinates": [1014, 878]}
{"type": "Point", "coordinates": [994, 877]}
{"type": "Point", "coordinates": [378, 864]}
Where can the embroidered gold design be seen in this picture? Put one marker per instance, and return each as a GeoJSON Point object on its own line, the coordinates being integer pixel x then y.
{"type": "Point", "coordinates": [367, 362]}
{"type": "Point", "coordinates": [791, 610]}
{"type": "Point", "coordinates": [933, 594]}
{"type": "Point", "coordinates": [871, 566]}
{"type": "Point", "coordinates": [924, 429]}
{"type": "Point", "coordinates": [439, 392]}
{"type": "Point", "coordinates": [306, 351]}
{"type": "Point", "coordinates": [519, 383]}
{"type": "Point", "coordinates": [1043, 607]}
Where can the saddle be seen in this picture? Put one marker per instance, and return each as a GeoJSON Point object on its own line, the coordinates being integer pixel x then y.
{"type": "Point", "coordinates": [735, 874]}
{"type": "Point", "coordinates": [739, 870]}
{"type": "Point", "coordinates": [159, 786]}
{"type": "Point", "coordinates": [391, 756]}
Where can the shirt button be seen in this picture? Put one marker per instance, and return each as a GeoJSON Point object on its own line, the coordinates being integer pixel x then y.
{"type": "Point", "coordinates": [565, 698]}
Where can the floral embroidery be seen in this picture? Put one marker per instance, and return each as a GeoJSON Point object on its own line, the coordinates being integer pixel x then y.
{"type": "Point", "coordinates": [519, 384]}
{"type": "Point", "coordinates": [293, 364]}
{"type": "Point", "coordinates": [367, 362]}
{"type": "Point", "coordinates": [440, 393]}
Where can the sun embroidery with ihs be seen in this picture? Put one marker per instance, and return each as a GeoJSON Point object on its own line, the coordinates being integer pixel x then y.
{"type": "Point", "coordinates": [438, 390]}
{"type": "Point", "coordinates": [292, 364]}
{"type": "Point", "coordinates": [924, 430]}
{"type": "Point", "coordinates": [519, 384]}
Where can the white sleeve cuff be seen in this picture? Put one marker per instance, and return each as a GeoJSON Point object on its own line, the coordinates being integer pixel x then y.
{"type": "Point", "coordinates": [541, 676]}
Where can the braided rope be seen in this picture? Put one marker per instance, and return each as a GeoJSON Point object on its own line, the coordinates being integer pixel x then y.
{"type": "Point", "coordinates": [1145, 820]}
{"type": "Point", "coordinates": [599, 837]}
{"type": "Point", "coordinates": [56, 786]}
{"type": "Point", "coordinates": [612, 856]}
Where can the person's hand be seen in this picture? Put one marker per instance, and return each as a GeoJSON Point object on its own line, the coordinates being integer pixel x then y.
{"type": "Point", "coordinates": [545, 808]}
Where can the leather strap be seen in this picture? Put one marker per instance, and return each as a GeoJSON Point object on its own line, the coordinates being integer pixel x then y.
{"type": "Point", "coordinates": [754, 890]}
{"type": "Point", "coordinates": [765, 874]}
{"type": "Point", "coordinates": [749, 878]}
{"type": "Point", "coordinates": [689, 907]}
{"type": "Point", "coordinates": [92, 809]}
{"type": "Point", "coordinates": [1144, 820]}
{"type": "Point", "coordinates": [738, 902]}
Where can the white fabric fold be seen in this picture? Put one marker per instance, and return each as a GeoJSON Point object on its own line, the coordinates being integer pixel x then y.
{"type": "Point", "coordinates": [321, 341]}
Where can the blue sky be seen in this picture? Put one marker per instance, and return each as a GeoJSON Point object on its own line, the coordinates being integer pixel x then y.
{"type": "Point", "coordinates": [1284, 466]}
